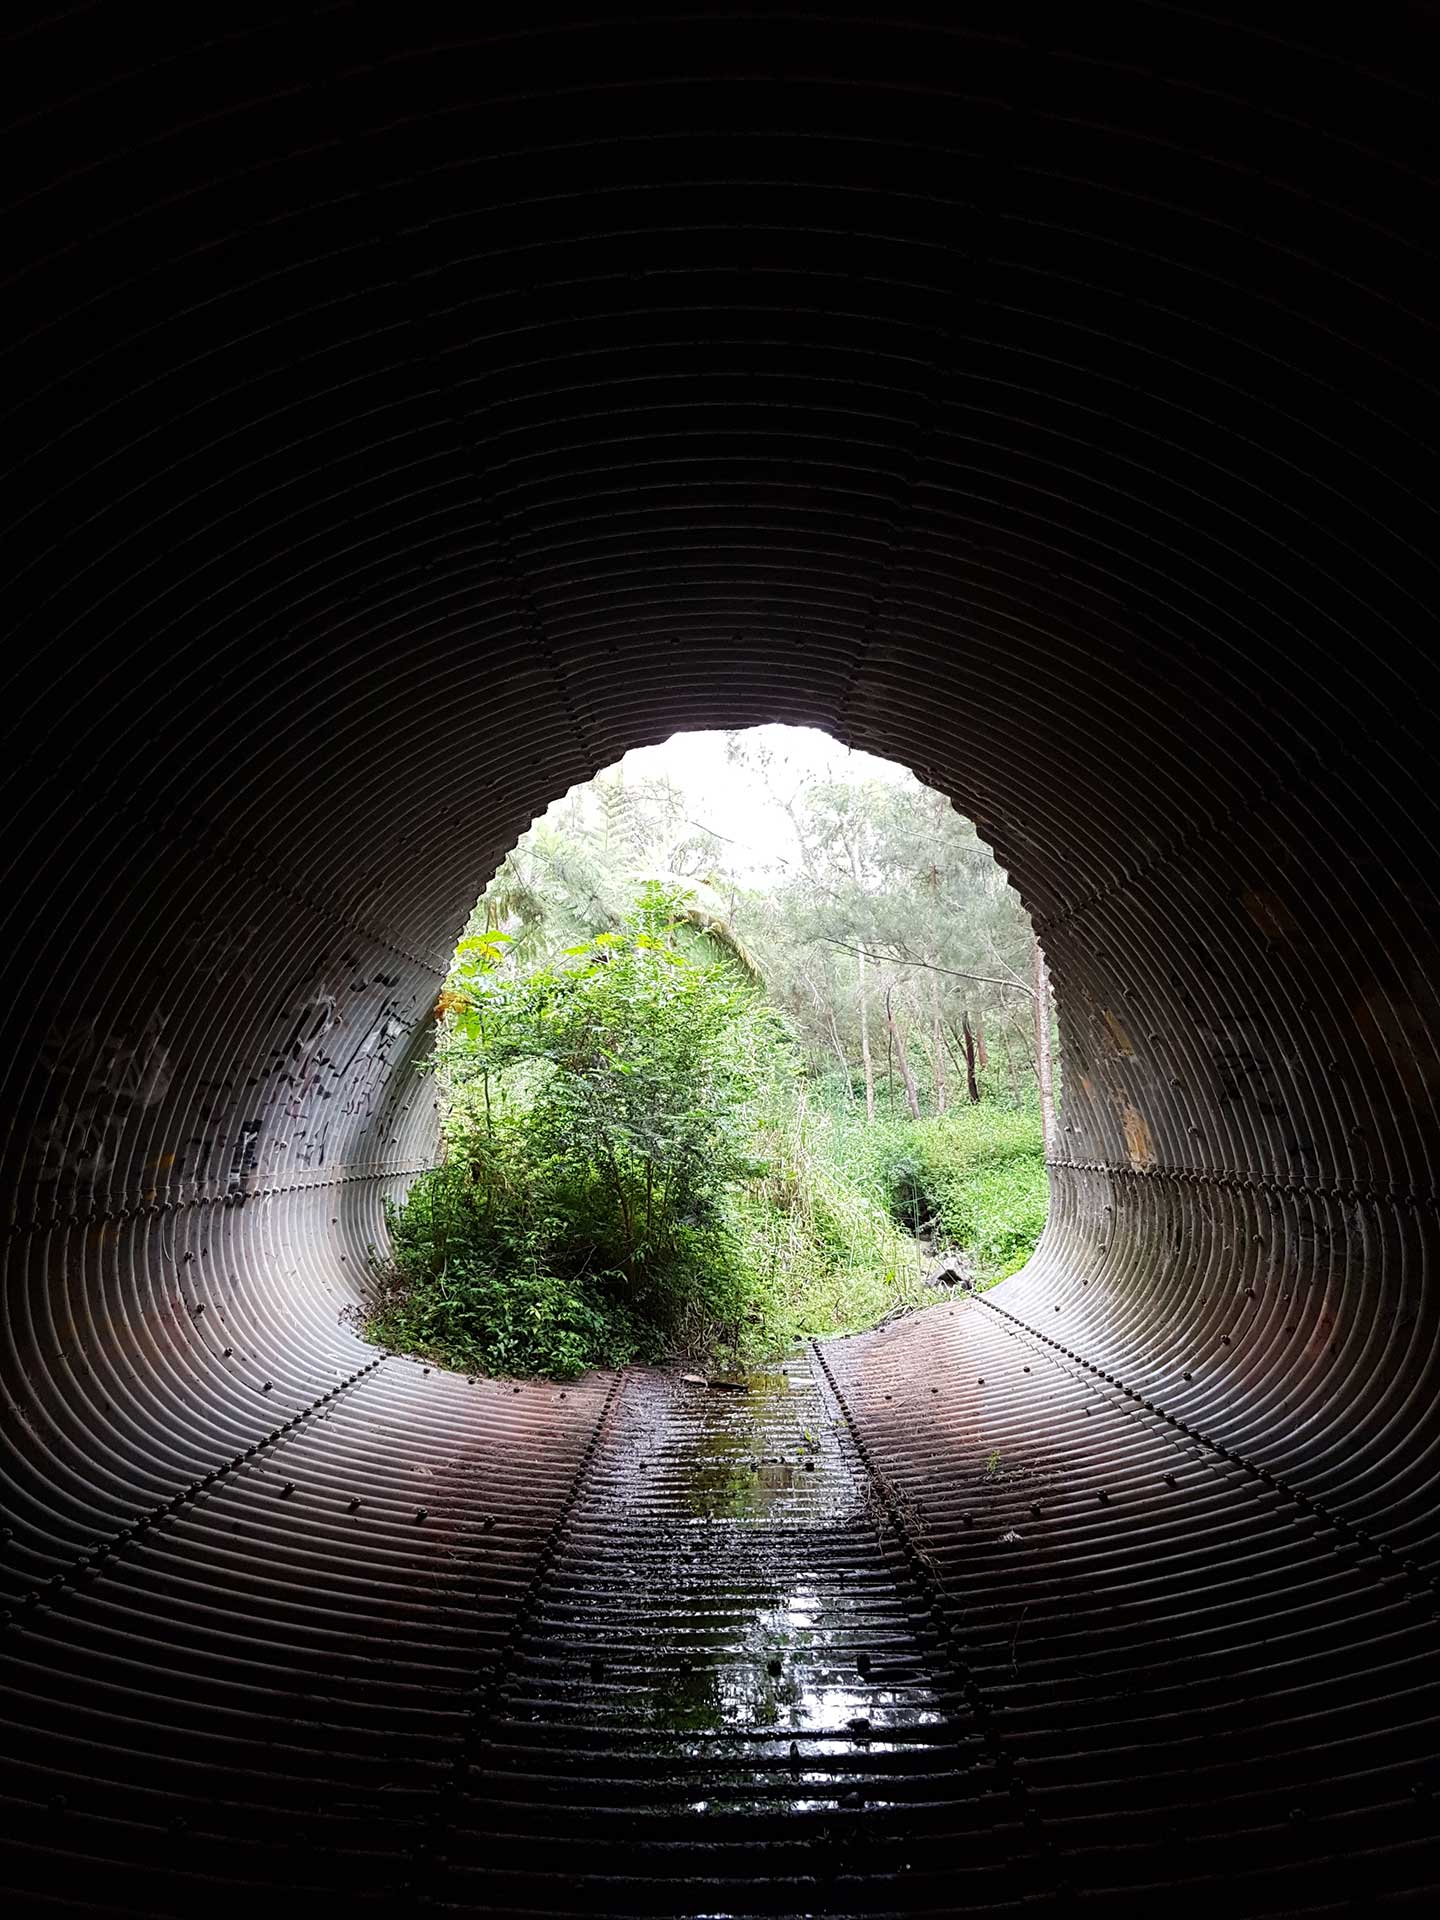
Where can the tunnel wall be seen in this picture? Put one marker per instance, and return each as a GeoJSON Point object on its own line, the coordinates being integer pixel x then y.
{"type": "Point", "coordinates": [399, 435]}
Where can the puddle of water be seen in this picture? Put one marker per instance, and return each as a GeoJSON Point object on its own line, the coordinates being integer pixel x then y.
{"type": "Point", "coordinates": [745, 1643]}
{"type": "Point", "coordinates": [748, 1451]}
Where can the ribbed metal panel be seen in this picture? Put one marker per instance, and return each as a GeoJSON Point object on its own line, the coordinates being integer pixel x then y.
{"type": "Point", "coordinates": [395, 434]}
{"type": "Point", "coordinates": [730, 1697]}
{"type": "Point", "coordinates": [1198, 1675]}
{"type": "Point", "coordinates": [274, 1669]}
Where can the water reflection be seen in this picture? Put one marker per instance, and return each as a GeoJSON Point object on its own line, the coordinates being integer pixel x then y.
{"type": "Point", "coordinates": [778, 1655]}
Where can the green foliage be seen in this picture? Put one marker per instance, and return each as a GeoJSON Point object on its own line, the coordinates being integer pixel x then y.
{"type": "Point", "coordinates": [469, 1293]}
{"type": "Point", "coordinates": [599, 1116]}
{"type": "Point", "coordinates": [656, 1134]}
{"type": "Point", "coordinates": [820, 1240]}
{"type": "Point", "coordinates": [978, 1174]}
{"type": "Point", "coordinates": [985, 1170]}
{"type": "Point", "coordinates": [972, 1178]}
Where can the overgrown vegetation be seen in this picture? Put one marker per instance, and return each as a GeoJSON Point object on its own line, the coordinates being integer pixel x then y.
{"type": "Point", "coordinates": [975, 1176]}
{"type": "Point", "coordinates": [666, 1129]}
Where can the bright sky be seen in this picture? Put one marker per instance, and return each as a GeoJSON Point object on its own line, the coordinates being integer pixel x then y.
{"type": "Point", "coordinates": [721, 797]}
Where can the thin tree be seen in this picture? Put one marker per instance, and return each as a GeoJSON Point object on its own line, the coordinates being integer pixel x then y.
{"type": "Point", "coordinates": [972, 1085]}
{"type": "Point", "coordinates": [937, 1047]}
{"type": "Point", "coordinates": [853, 854]}
{"type": "Point", "coordinates": [912, 1096]}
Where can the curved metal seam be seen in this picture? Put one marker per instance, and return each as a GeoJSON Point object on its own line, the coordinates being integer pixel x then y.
{"type": "Point", "coordinates": [140, 1209]}
{"type": "Point", "coordinates": [523, 596]}
{"type": "Point", "coordinates": [484, 1693]}
{"type": "Point", "coordinates": [1213, 830]}
{"type": "Point", "coordinates": [93, 1557]}
{"type": "Point", "coordinates": [1255, 1183]}
{"type": "Point", "coordinates": [1266, 1476]}
{"type": "Point", "coordinates": [901, 531]}
{"type": "Point", "coordinates": [906, 1524]}
{"type": "Point", "coordinates": [169, 822]}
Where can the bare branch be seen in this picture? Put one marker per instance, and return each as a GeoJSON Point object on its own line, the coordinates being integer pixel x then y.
{"type": "Point", "coordinates": [904, 960]}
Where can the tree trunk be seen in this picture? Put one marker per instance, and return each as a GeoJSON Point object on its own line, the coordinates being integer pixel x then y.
{"type": "Point", "coordinates": [982, 1052]}
{"type": "Point", "coordinates": [1044, 1071]}
{"type": "Point", "coordinates": [936, 1037]}
{"type": "Point", "coordinates": [912, 1097]}
{"type": "Point", "coordinates": [972, 1085]}
{"type": "Point", "coordinates": [865, 1041]}
{"type": "Point", "coordinates": [841, 1057]}
{"type": "Point", "coordinates": [937, 1046]}
{"type": "Point", "coordinates": [1010, 1068]}
{"type": "Point", "coordinates": [853, 855]}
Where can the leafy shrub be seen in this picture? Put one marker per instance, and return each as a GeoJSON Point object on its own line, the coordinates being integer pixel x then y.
{"type": "Point", "coordinates": [465, 1291]}
{"type": "Point", "coordinates": [635, 1167]}
{"type": "Point", "coordinates": [598, 1117]}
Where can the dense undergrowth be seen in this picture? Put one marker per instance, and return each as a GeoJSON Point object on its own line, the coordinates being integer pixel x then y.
{"type": "Point", "coordinates": [637, 1166]}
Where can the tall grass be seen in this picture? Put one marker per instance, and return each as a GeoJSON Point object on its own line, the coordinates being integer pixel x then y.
{"type": "Point", "coordinates": [840, 1229]}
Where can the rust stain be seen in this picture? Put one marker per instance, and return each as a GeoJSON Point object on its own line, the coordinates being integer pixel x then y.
{"type": "Point", "coordinates": [1138, 1145]}
{"type": "Point", "coordinates": [1119, 1038]}
{"type": "Point", "coordinates": [162, 1163]}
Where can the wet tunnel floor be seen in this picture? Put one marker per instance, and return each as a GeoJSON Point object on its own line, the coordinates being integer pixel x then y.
{"type": "Point", "coordinates": [996, 1632]}
{"type": "Point", "coordinates": [729, 1690]}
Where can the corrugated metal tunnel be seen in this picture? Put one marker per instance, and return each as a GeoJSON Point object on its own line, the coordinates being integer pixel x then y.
{"type": "Point", "coordinates": [395, 438]}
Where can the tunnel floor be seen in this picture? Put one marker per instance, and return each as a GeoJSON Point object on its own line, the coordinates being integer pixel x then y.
{"type": "Point", "coordinates": [730, 1689]}
{"type": "Point", "coordinates": [939, 1619]}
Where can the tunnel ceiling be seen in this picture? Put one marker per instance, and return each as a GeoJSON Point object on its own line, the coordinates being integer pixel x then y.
{"type": "Point", "coordinates": [398, 434]}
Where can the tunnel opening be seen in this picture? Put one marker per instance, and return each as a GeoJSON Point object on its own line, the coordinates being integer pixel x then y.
{"type": "Point", "coordinates": [726, 1058]}
{"type": "Point", "coordinates": [1041, 408]}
